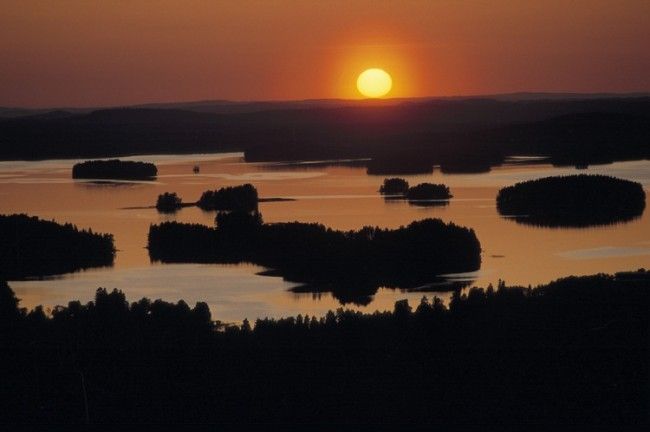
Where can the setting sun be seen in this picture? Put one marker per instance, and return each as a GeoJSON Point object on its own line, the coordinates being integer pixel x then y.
{"type": "Point", "coordinates": [374, 83]}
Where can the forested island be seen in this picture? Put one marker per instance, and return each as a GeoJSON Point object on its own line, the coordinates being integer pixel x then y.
{"type": "Point", "coordinates": [421, 194]}
{"type": "Point", "coordinates": [352, 264]}
{"type": "Point", "coordinates": [394, 186]}
{"type": "Point", "coordinates": [573, 352]}
{"type": "Point", "coordinates": [114, 169]}
{"type": "Point", "coordinates": [33, 247]}
{"type": "Point", "coordinates": [572, 201]}
{"type": "Point", "coordinates": [168, 202]}
{"type": "Point", "coordinates": [240, 198]}
{"type": "Point", "coordinates": [428, 191]}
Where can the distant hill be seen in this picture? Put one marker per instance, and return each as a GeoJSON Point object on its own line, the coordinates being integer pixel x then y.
{"type": "Point", "coordinates": [439, 131]}
{"type": "Point", "coordinates": [222, 106]}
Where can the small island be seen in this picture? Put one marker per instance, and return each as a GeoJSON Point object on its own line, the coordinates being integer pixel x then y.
{"type": "Point", "coordinates": [32, 247]}
{"type": "Point", "coordinates": [346, 262]}
{"type": "Point", "coordinates": [421, 194]}
{"type": "Point", "coordinates": [240, 198]}
{"type": "Point", "coordinates": [114, 169]}
{"type": "Point", "coordinates": [572, 201]}
{"type": "Point", "coordinates": [394, 186]}
{"type": "Point", "coordinates": [428, 191]}
{"type": "Point", "coordinates": [168, 202]}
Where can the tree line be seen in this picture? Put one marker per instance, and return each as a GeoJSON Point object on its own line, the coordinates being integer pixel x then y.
{"type": "Point", "coordinates": [352, 264]}
{"type": "Point", "coordinates": [573, 352]}
{"type": "Point", "coordinates": [114, 169]}
{"type": "Point", "coordinates": [34, 247]}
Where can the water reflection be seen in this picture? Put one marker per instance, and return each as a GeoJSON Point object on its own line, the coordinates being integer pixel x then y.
{"type": "Point", "coordinates": [572, 223]}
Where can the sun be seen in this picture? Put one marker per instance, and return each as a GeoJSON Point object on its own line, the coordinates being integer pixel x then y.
{"type": "Point", "coordinates": [374, 83]}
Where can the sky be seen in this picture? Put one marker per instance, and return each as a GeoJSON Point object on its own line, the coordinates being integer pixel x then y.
{"type": "Point", "coordinates": [109, 52]}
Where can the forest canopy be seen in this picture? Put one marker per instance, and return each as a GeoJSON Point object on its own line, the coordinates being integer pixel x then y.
{"type": "Point", "coordinates": [241, 198]}
{"type": "Point", "coordinates": [572, 201]}
{"type": "Point", "coordinates": [34, 247]}
{"type": "Point", "coordinates": [114, 169]}
{"type": "Point", "coordinates": [355, 262]}
{"type": "Point", "coordinates": [495, 356]}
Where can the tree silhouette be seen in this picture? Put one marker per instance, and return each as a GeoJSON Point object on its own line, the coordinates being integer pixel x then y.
{"type": "Point", "coordinates": [35, 247]}
{"type": "Point", "coordinates": [168, 202]}
{"type": "Point", "coordinates": [394, 186]}
{"type": "Point", "coordinates": [114, 169]}
{"type": "Point", "coordinates": [572, 201]}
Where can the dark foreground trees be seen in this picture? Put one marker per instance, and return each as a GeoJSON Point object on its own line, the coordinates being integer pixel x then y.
{"type": "Point", "coordinates": [35, 247]}
{"type": "Point", "coordinates": [114, 169]}
{"type": "Point", "coordinates": [573, 352]}
{"type": "Point", "coordinates": [573, 201]}
{"type": "Point", "coordinates": [352, 262]}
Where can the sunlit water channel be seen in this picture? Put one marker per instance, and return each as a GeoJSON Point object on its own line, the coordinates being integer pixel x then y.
{"type": "Point", "coordinates": [342, 197]}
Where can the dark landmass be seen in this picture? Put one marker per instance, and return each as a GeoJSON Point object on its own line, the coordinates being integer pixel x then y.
{"type": "Point", "coordinates": [423, 194]}
{"type": "Point", "coordinates": [221, 106]}
{"type": "Point", "coordinates": [114, 169]}
{"type": "Point", "coordinates": [236, 198]}
{"type": "Point", "coordinates": [410, 136]}
{"type": "Point", "coordinates": [354, 263]}
{"type": "Point", "coordinates": [394, 186]}
{"type": "Point", "coordinates": [572, 201]}
{"type": "Point", "coordinates": [400, 162]}
{"type": "Point", "coordinates": [32, 247]}
{"type": "Point", "coordinates": [571, 353]}
{"type": "Point", "coordinates": [168, 202]}
{"type": "Point", "coordinates": [428, 191]}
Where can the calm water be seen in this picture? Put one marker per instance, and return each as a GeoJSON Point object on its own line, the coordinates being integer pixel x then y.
{"type": "Point", "coordinates": [337, 196]}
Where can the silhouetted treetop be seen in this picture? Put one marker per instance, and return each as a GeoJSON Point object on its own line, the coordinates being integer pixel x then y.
{"type": "Point", "coordinates": [572, 201]}
{"type": "Point", "coordinates": [35, 247]}
{"type": "Point", "coordinates": [114, 169]}
{"type": "Point", "coordinates": [242, 198]}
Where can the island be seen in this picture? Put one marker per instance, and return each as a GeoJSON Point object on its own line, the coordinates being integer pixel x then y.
{"type": "Point", "coordinates": [168, 202]}
{"type": "Point", "coordinates": [428, 191]}
{"type": "Point", "coordinates": [572, 201]}
{"type": "Point", "coordinates": [394, 186]}
{"type": "Point", "coordinates": [241, 198]}
{"type": "Point", "coordinates": [422, 194]}
{"type": "Point", "coordinates": [351, 264]}
{"type": "Point", "coordinates": [114, 169]}
{"type": "Point", "coordinates": [32, 247]}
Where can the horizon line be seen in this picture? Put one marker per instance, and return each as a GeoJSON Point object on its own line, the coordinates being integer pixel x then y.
{"type": "Point", "coordinates": [522, 94]}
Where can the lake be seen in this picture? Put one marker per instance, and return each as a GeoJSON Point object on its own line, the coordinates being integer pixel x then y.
{"type": "Point", "coordinates": [339, 196]}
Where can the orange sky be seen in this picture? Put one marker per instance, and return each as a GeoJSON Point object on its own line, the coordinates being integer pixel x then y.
{"type": "Point", "coordinates": [109, 52]}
